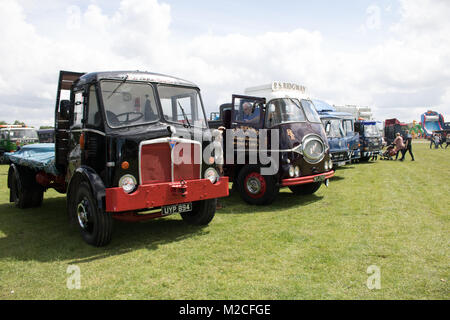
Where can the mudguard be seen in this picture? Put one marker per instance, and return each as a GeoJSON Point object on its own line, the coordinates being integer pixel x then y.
{"type": "Point", "coordinates": [95, 182]}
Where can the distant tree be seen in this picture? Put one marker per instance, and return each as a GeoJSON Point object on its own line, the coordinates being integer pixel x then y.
{"type": "Point", "coordinates": [3, 123]}
{"type": "Point", "coordinates": [18, 123]}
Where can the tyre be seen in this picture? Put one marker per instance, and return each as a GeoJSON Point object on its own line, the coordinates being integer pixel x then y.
{"type": "Point", "coordinates": [255, 188]}
{"type": "Point", "coordinates": [202, 212]}
{"type": "Point", "coordinates": [25, 193]}
{"type": "Point", "coordinates": [305, 189]}
{"type": "Point", "coordinates": [95, 224]}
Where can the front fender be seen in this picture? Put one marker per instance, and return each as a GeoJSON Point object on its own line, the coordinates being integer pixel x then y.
{"type": "Point", "coordinates": [89, 175]}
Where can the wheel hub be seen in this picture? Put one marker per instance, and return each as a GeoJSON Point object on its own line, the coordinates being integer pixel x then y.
{"type": "Point", "coordinates": [83, 213]}
{"type": "Point", "coordinates": [253, 185]}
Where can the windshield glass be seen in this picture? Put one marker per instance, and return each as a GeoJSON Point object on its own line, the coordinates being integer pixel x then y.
{"type": "Point", "coordinates": [182, 105]}
{"type": "Point", "coordinates": [23, 134]}
{"type": "Point", "coordinates": [333, 128]}
{"type": "Point", "coordinates": [283, 111]}
{"type": "Point", "coordinates": [371, 130]}
{"type": "Point", "coordinates": [310, 111]}
{"type": "Point", "coordinates": [128, 103]}
{"type": "Point", "coordinates": [348, 126]}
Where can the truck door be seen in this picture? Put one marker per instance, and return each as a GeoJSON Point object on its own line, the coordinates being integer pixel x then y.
{"type": "Point", "coordinates": [94, 152]}
{"type": "Point", "coordinates": [247, 117]}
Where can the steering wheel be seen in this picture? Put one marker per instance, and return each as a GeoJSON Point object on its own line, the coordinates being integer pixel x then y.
{"type": "Point", "coordinates": [140, 115]}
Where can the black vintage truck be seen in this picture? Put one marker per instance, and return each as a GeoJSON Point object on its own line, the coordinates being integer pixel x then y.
{"type": "Point", "coordinates": [301, 157]}
{"type": "Point", "coordinates": [118, 142]}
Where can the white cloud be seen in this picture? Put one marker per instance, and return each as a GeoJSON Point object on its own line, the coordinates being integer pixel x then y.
{"type": "Point", "coordinates": [403, 76]}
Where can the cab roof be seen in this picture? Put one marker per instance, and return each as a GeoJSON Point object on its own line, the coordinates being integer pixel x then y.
{"type": "Point", "coordinates": [134, 76]}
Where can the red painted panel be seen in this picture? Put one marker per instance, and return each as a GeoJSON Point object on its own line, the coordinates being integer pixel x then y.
{"type": "Point", "coordinates": [156, 163]}
{"type": "Point", "coordinates": [161, 194]}
{"type": "Point", "coordinates": [185, 155]}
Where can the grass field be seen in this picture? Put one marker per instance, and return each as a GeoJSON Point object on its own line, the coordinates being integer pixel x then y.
{"type": "Point", "coordinates": [394, 215]}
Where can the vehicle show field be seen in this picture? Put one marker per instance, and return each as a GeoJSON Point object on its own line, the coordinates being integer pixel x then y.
{"type": "Point", "coordinates": [389, 214]}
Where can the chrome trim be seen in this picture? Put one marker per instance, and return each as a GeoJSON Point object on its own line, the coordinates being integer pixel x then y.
{"type": "Point", "coordinates": [167, 140]}
{"type": "Point", "coordinates": [89, 130]}
{"type": "Point", "coordinates": [317, 138]}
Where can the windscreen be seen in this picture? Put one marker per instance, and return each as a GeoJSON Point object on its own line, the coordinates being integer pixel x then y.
{"type": "Point", "coordinates": [371, 130]}
{"type": "Point", "coordinates": [284, 111]}
{"type": "Point", "coordinates": [333, 128]}
{"type": "Point", "coordinates": [182, 105]}
{"type": "Point", "coordinates": [310, 111]}
{"type": "Point", "coordinates": [128, 103]}
{"type": "Point", "coordinates": [23, 134]}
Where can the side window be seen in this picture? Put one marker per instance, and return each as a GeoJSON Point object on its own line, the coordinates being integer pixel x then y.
{"type": "Point", "coordinates": [94, 117]}
{"type": "Point", "coordinates": [78, 108]}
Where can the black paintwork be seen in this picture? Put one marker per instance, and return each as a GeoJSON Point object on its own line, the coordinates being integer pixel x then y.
{"type": "Point", "coordinates": [290, 136]}
{"type": "Point", "coordinates": [106, 148]}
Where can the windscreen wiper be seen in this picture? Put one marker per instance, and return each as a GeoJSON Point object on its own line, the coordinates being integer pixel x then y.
{"type": "Point", "coordinates": [117, 88]}
{"type": "Point", "coordinates": [184, 114]}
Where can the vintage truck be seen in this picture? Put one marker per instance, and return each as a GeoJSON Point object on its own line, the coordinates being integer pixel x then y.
{"type": "Point", "coordinates": [114, 153]}
{"type": "Point", "coordinates": [371, 140]}
{"type": "Point", "coordinates": [343, 143]}
{"type": "Point", "coordinates": [301, 156]}
{"type": "Point", "coordinates": [13, 137]}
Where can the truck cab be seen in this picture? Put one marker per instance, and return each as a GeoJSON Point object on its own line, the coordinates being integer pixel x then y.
{"type": "Point", "coordinates": [371, 140]}
{"type": "Point", "coordinates": [342, 141]}
{"type": "Point", "coordinates": [301, 155]}
{"type": "Point", "coordinates": [13, 137]}
{"type": "Point", "coordinates": [126, 149]}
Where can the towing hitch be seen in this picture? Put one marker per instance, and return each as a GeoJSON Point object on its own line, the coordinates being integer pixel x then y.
{"type": "Point", "coordinates": [180, 188]}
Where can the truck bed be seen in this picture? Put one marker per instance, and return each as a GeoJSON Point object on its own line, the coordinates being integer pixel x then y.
{"type": "Point", "coordinates": [40, 157]}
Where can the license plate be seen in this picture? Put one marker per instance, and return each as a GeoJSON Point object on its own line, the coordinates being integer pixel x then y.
{"type": "Point", "coordinates": [319, 178]}
{"type": "Point", "coordinates": [176, 208]}
{"type": "Point", "coordinates": [342, 163]}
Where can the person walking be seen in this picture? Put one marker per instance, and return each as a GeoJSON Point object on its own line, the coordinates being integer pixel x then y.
{"type": "Point", "coordinates": [399, 146]}
{"type": "Point", "coordinates": [436, 141]}
{"type": "Point", "coordinates": [432, 140]}
{"type": "Point", "coordinates": [408, 147]}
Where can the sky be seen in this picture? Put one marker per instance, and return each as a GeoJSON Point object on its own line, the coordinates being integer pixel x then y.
{"type": "Point", "coordinates": [393, 56]}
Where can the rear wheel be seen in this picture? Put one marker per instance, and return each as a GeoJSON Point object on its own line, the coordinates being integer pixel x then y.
{"type": "Point", "coordinates": [256, 188]}
{"type": "Point", "coordinates": [25, 192]}
{"type": "Point", "coordinates": [95, 224]}
{"type": "Point", "coordinates": [202, 212]}
{"type": "Point", "coordinates": [305, 189]}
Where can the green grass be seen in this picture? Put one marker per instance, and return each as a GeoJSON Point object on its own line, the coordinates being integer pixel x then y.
{"type": "Point", "coordinates": [391, 214]}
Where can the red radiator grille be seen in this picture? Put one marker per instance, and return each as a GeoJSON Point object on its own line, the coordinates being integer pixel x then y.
{"type": "Point", "coordinates": [191, 170]}
{"type": "Point", "coordinates": [156, 164]}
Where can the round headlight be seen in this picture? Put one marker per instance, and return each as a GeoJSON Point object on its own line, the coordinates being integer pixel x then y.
{"type": "Point", "coordinates": [291, 171]}
{"type": "Point", "coordinates": [297, 171]}
{"type": "Point", "coordinates": [127, 183]}
{"type": "Point", "coordinates": [212, 175]}
{"type": "Point", "coordinates": [330, 164]}
{"type": "Point", "coordinates": [326, 167]}
{"type": "Point", "coordinates": [313, 149]}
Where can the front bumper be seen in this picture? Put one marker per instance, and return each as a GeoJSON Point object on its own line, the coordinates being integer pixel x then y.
{"type": "Point", "coordinates": [161, 194]}
{"type": "Point", "coordinates": [307, 179]}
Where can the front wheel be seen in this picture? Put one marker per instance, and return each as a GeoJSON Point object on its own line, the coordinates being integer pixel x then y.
{"type": "Point", "coordinates": [305, 189]}
{"type": "Point", "coordinates": [256, 188]}
{"type": "Point", "coordinates": [95, 224]}
{"type": "Point", "coordinates": [202, 212]}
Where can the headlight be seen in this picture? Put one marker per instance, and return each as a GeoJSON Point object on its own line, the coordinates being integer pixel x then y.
{"type": "Point", "coordinates": [326, 167]}
{"type": "Point", "coordinates": [212, 175]}
{"type": "Point", "coordinates": [297, 171]}
{"type": "Point", "coordinates": [291, 171]}
{"type": "Point", "coordinates": [330, 164]}
{"type": "Point", "coordinates": [127, 183]}
{"type": "Point", "coordinates": [313, 149]}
